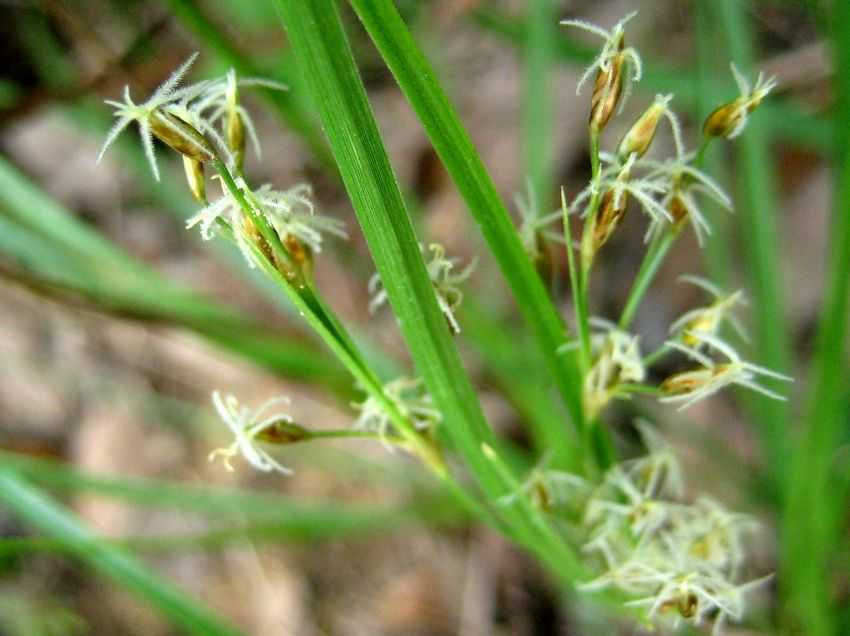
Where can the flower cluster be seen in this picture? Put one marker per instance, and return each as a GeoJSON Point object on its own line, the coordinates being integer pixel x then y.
{"type": "Point", "coordinates": [444, 279]}
{"type": "Point", "coordinates": [666, 190]}
{"type": "Point", "coordinates": [678, 562]}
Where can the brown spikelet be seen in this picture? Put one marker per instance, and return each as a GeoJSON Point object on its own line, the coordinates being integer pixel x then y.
{"type": "Point", "coordinates": [235, 136]}
{"type": "Point", "coordinates": [611, 211]}
{"type": "Point", "coordinates": [688, 604]}
{"type": "Point", "coordinates": [283, 432]}
{"type": "Point", "coordinates": [194, 170]}
{"type": "Point", "coordinates": [607, 90]}
{"type": "Point", "coordinates": [181, 136]}
{"type": "Point", "coordinates": [723, 119]}
{"type": "Point", "coordinates": [639, 137]}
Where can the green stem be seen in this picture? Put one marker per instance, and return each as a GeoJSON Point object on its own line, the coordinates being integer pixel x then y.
{"type": "Point", "coordinates": [587, 246]}
{"type": "Point", "coordinates": [579, 306]}
{"type": "Point", "coordinates": [816, 515]}
{"type": "Point", "coordinates": [652, 261]}
{"type": "Point", "coordinates": [656, 355]}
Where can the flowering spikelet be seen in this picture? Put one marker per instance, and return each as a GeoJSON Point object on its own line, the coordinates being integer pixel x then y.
{"type": "Point", "coordinates": [219, 104]}
{"type": "Point", "coordinates": [681, 181]}
{"type": "Point", "coordinates": [153, 117]}
{"type": "Point", "coordinates": [548, 488]}
{"type": "Point", "coordinates": [409, 398]}
{"type": "Point", "coordinates": [247, 425]}
{"type": "Point", "coordinates": [617, 362]}
{"type": "Point", "coordinates": [730, 119]}
{"type": "Point", "coordinates": [188, 119]}
{"type": "Point", "coordinates": [616, 67]}
{"type": "Point", "coordinates": [691, 326]}
{"type": "Point", "coordinates": [691, 386]}
{"type": "Point", "coordinates": [444, 280]}
{"type": "Point", "coordinates": [639, 137]}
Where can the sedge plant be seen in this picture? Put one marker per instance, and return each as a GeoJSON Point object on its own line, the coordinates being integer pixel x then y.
{"type": "Point", "coordinates": [616, 528]}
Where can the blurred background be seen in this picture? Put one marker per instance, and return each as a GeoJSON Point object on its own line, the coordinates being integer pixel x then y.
{"type": "Point", "coordinates": [116, 323]}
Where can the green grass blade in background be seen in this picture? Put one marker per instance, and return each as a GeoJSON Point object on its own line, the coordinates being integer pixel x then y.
{"type": "Point", "coordinates": [537, 101]}
{"type": "Point", "coordinates": [325, 60]}
{"type": "Point", "coordinates": [717, 254]}
{"type": "Point", "coordinates": [42, 513]}
{"type": "Point", "coordinates": [293, 518]}
{"type": "Point", "coordinates": [451, 141]}
{"type": "Point", "coordinates": [58, 254]}
{"type": "Point", "coordinates": [759, 212]}
{"type": "Point", "coordinates": [817, 504]}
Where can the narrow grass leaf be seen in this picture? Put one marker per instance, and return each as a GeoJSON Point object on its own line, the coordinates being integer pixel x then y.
{"type": "Point", "coordinates": [451, 141]}
{"type": "Point", "coordinates": [758, 214]}
{"type": "Point", "coordinates": [817, 503]}
{"type": "Point", "coordinates": [324, 56]}
{"type": "Point", "coordinates": [42, 513]}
